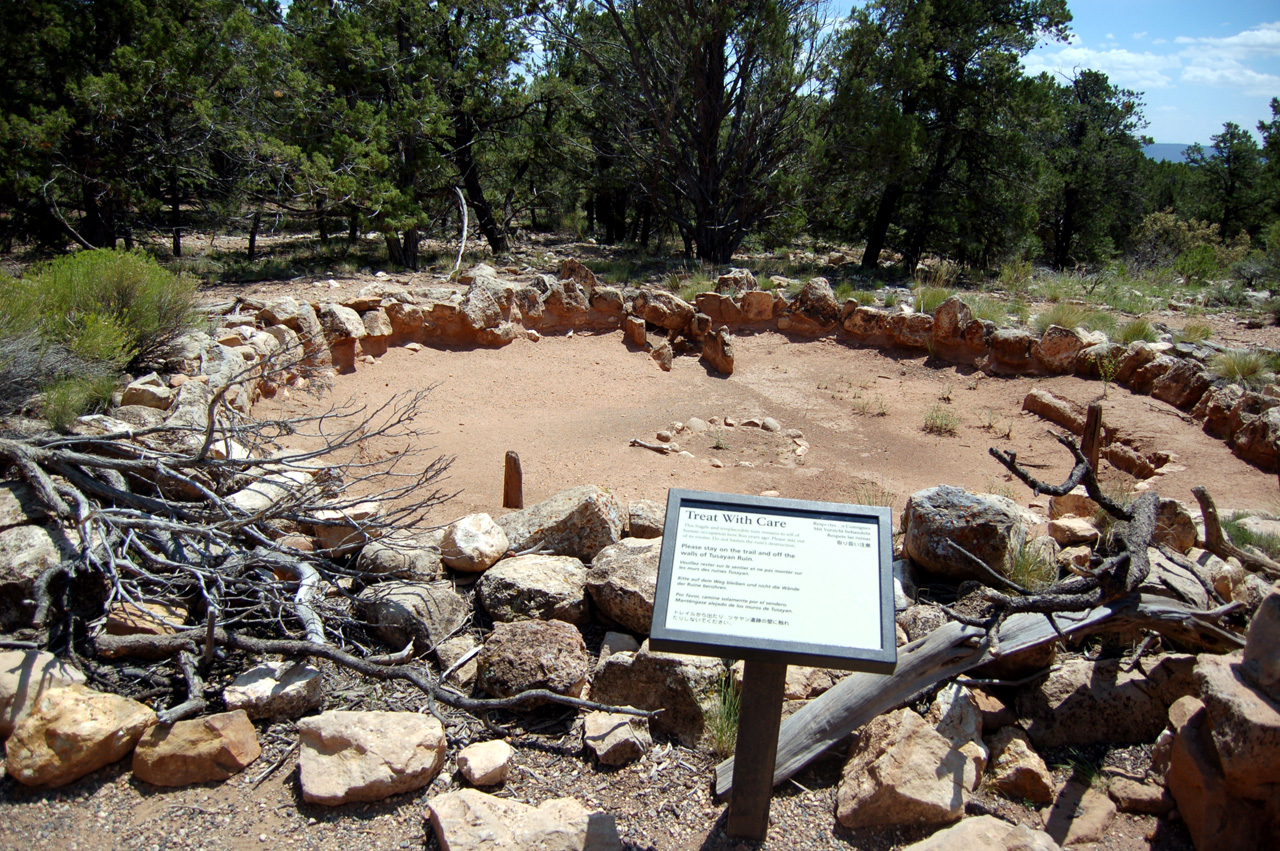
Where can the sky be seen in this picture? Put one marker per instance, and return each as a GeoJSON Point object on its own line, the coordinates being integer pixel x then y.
{"type": "Point", "coordinates": [1197, 64]}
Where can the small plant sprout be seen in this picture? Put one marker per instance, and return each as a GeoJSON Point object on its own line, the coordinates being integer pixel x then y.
{"type": "Point", "coordinates": [723, 717]}
{"type": "Point", "coordinates": [720, 442]}
{"type": "Point", "coordinates": [941, 421]}
{"type": "Point", "coordinates": [1108, 366]}
{"type": "Point", "coordinates": [945, 395]}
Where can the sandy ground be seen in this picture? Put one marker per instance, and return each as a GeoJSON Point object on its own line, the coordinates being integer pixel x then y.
{"type": "Point", "coordinates": [570, 406]}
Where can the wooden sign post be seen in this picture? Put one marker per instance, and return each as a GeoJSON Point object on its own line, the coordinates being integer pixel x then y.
{"type": "Point", "coordinates": [774, 582]}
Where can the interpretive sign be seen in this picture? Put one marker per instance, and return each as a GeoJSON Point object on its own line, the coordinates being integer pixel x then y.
{"type": "Point", "coordinates": [777, 580]}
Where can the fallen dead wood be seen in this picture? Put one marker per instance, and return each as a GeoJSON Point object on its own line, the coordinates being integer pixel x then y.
{"type": "Point", "coordinates": [656, 447]}
{"type": "Point", "coordinates": [1216, 541]}
{"type": "Point", "coordinates": [955, 648]}
{"type": "Point", "coordinates": [156, 647]}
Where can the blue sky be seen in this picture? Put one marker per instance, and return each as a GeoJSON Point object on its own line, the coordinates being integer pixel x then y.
{"type": "Point", "coordinates": [1197, 64]}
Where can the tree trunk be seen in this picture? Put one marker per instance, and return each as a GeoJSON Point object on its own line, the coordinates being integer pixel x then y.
{"type": "Point", "coordinates": [322, 222]}
{"type": "Point", "coordinates": [464, 160]}
{"type": "Point", "coordinates": [253, 234]}
{"type": "Point", "coordinates": [879, 229]}
{"type": "Point", "coordinates": [175, 211]}
{"type": "Point", "coordinates": [353, 227]}
{"type": "Point", "coordinates": [1066, 229]}
{"type": "Point", "coordinates": [403, 252]}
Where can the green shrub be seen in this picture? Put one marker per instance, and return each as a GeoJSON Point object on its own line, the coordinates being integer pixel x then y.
{"type": "Point", "coordinates": [1137, 329]}
{"type": "Point", "coordinates": [722, 722]}
{"type": "Point", "coordinates": [92, 300]}
{"type": "Point", "coordinates": [1015, 276]}
{"type": "Point", "coordinates": [1241, 536]}
{"type": "Point", "coordinates": [1198, 264]}
{"type": "Point", "coordinates": [890, 298]}
{"type": "Point", "coordinates": [1069, 315]}
{"type": "Point", "coordinates": [866, 298]}
{"type": "Point", "coordinates": [1031, 568]}
{"type": "Point", "coordinates": [696, 284]}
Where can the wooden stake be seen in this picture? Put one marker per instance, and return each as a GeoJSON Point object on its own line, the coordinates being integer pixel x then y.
{"type": "Point", "coordinates": [759, 717]}
{"type": "Point", "coordinates": [1091, 444]}
{"type": "Point", "coordinates": [513, 483]}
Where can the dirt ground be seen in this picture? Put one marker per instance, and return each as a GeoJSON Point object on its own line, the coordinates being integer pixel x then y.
{"type": "Point", "coordinates": [569, 406]}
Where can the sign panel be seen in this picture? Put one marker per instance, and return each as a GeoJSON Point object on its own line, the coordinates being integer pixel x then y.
{"type": "Point", "coordinates": [777, 580]}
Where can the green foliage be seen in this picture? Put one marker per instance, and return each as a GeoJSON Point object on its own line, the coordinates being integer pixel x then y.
{"type": "Point", "coordinates": [1194, 332]}
{"type": "Point", "coordinates": [1198, 264]}
{"type": "Point", "coordinates": [940, 420]}
{"type": "Point", "coordinates": [989, 309]}
{"type": "Point", "coordinates": [117, 307]}
{"type": "Point", "coordinates": [1242, 536]}
{"type": "Point", "coordinates": [1249, 367]}
{"type": "Point", "coordinates": [698, 282]}
{"type": "Point", "coordinates": [1072, 315]}
{"type": "Point", "coordinates": [865, 298]}
{"type": "Point", "coordinates": [1015, 276]}
{"type": "Point", "coordinates": [927, 299]}
{"type": "Point", "coordinates": [1137, 329]}
{"type": "Point", "coordinates": [68, 398]}
{"type": "Point", "coordinates": [720, 442]}
{"type": "Point", "coordinates": [1031, 568]}
{"type": "Point", "coordinates": [722, 719]}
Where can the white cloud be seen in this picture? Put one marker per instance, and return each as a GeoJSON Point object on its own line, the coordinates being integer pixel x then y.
{"type": "Point", "coordinates": [1160, 41]}
{"type": "Point", "coordinates": [1140, 36]}
{"type": "Point", "coordinates": [1231, 61]}
{"type": "Point", "coordinates": [1125, 68]}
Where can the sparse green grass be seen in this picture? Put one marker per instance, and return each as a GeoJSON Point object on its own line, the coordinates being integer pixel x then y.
{"type": "Point", "coordinates": [1015, 277]}
{"type": "Point", "coordinates": [987, 308]}
{"type": "Point", "coordinates": [941, 420]}
{"type": "Point", "coordinates": [1030, 568]}
{"type": "Point", "coordinates": [843, 291]}
{"type": "Point", "coordinates": [1241, 536]}
{"type": "Point", "coordinates": [1194, 332]}
{"type": "Point", "coordinates": [1137, 329]}
{"type": "Point", "coordinates": [890, 299]}
{"type": "Point", "coordinates": [722, 720]}
{"type": "Point", "coordinates": [720, 442]}
{"type": "Point", "coordinates": [870, 406]}
{"type": "Point", "coordinates": [1249, 367]}
{"type": "Point", "coordinates": [69, 398]}
{"type": "Point", "coordinates": [927, 299]}
{"type": "Point", "coordinates": [866, 492]}
{"type": "Point", "coordinates": [1070, 315]}
{"type": "Point", "coordinates": [866, 298]}
{"type": "Point", "coordinates": [697, 283]}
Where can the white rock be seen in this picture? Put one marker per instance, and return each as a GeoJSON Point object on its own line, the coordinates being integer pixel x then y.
{"type": "Point", "coordinates": [615, 737]}
{"type": "Point", "coordinates": [469, 820]}
{"type": "Point", "coordinates": [276, 690]}
{"type": "Point", "coordinates": [486, 763]}
{"type": "Point", "coordinates": [473, 543]}
{"type": "Point", "coordinates": [24, 676]}
{"type": "Point", "coordinates": [367, 756]}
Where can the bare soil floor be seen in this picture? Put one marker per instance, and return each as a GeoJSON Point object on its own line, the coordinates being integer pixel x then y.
{"type": "Point", "coordinates": [569, 406]}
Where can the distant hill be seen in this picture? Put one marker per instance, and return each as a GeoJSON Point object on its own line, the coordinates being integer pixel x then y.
{"type": "Point", "coordinates": [1166, 151]}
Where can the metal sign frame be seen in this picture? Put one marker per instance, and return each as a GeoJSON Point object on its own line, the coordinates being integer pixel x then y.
{"type": "Point", "coordinates": [862, 591]}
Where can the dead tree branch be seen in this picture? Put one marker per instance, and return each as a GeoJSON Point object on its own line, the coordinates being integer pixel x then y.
{"type": "Point", "coordinates": [1216, 541]}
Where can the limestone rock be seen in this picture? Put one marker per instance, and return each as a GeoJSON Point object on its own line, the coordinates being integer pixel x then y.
{"type": "Point", "coordinates": [1084, 702]}
{"type": "Point", "coordinates": [20, 505]}
{"type": "Point", "coordinates": [148, 618]}
{"type": "Point", "coordinates": [470, 820]}
{"type": "Point", "coordinates": [623, 581]}
{"type": "Point", "coordinates": [1072, 531]}
{"type": "Point", "coordinates": [921, 619]}
{"type": "Point", "coordinates": [72, 731]}
{"type": "Point", "coordinates": [1182, 386]}
{"type": "Point", "coordinates": [24, 676]}
{"type": "Point", "coordinates": [912, 329]}
{"type": "Point", "coordinates": [486, 763]}
{"type": "Point", "coordinates": [535, 587]}
{"type": "Point", "coordinates": [987, 833]}
{"type": "Point", "coordinates": [757, 306]}
{"type": "Point", "coordinates": [340, 323]}
{"type": "Point", "coordinates": [1076, 503]}
{"type": "Point", "coordinates": [473, 544]}
{"type": "Point", "coordinates": [25, 553]}
{"type": "Point", "coordinates": [615, 642]}
{"type": "Point", "coordinates": [1245, 726]}
{"type": "Point", "coordinates": [817, 301]}
{"type": "Point", "coordinates": [148, 392]}
{"type": "Point", "coordinates": [344, 531]}
{"type": "Point", "coordinates": [663, 309]}
{"type": "Point", "coordinates": [450, 652]}
{"type": "Point", "coordinates": [534, 655]}
{"type": "Point", "coordinates": [616, 738]}
{"type": "Point", "coordinates": [1058, 348]}
{"type": "Point", "coordinates": [682, 686]}
{"type": "Point", "coordinates": [868, 324]}
{"type": "Point", "coordinates": [955, 715]}
{"type": "Point", "coordinates": [902, 772]}
{"type": "Point", "coordinates": [1010, 349]}
{"type": "Point", "coordinates": [993, 528]}
{"type": "Point", "coordinates": [663, 355]}
{"type": "Point", "coordinates": [1138, 795]}
{"type": "Point", "coordinates": [424, 612]}
{"type": "Point", "coordinates": [717, 351]}
{"type": "Point", "coordinates": [367, 756]}
{"type": "Point", "coordinates": [949, 321]}
{"type": "Point", "coordinates": [265, 492]}
{"type": "Point", "coordinates": [405, 556]}
{"type": "Point", "coordinates": [276, 690]}
{"type": "Point", "coordinates": [1261, 662]}
{"type": "Point", "coordinates": [634, 332]}
{"type": "Point", "coordinates": [1079, 814]}
{"type": "Point", "coordinates": [1175, 526]}
{"type": "Point", "coordinates": [200, 750]}
{"type": "Point", "coordinates": [1017, 771]}
{"type": "Point", "coordinates": [645, 518]}
{"type": "Point", "coordinates": [577, 522]}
